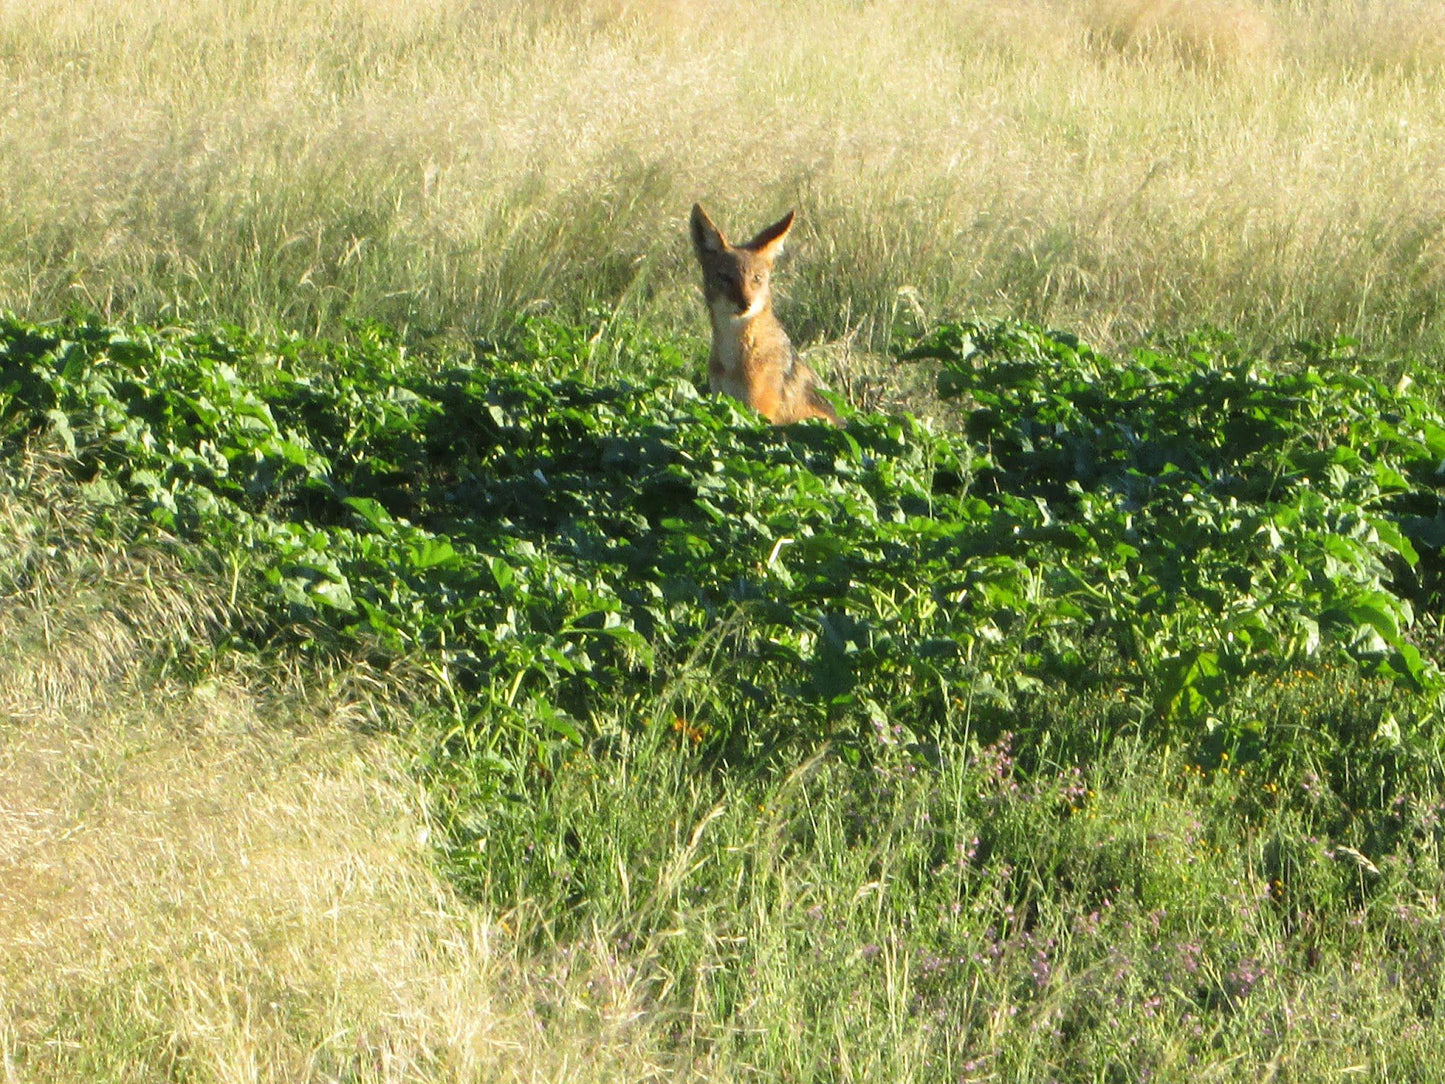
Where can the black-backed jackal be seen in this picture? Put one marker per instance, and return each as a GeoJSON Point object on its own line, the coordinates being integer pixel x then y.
{"type": "Point", "coordinates": [752, 358]}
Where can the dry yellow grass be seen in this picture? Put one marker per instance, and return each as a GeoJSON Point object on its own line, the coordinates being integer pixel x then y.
{"type": "Point", "coordinates": [1118, 166]}
{"type": "Point", "coordinates": [1205, 33]}
{"type": "Point", "coordinates": [1391, 35]}
{"type": "Point", "coordinates": [190, 890]}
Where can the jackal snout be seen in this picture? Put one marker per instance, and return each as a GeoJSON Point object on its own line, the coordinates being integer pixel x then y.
{"type": "Point", "coordinates": [752, 358]}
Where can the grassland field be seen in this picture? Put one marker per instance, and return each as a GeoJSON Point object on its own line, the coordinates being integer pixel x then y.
{"type": "Point", "coordinates": [407, 675]}
{"type": "Point", "coordinates": [1121, 167]}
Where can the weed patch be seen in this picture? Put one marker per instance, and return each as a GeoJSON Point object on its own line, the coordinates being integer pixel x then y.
{"type": "Point", "coordinates": [1171, 527]}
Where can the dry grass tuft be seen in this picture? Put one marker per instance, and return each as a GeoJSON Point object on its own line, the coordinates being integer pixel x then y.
{"type": "Point", "coordinates": [1405, 36]}
{"type": "Point", "coordinates": [186, 888]}
{"type": "Point", "coordinates": [75, 611]}
{"type": "Point", "coordinates": [1205, 33]}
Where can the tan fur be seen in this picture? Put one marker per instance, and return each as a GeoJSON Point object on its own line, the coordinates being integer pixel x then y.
{"type": "Point", "coordinates": [752, 358]}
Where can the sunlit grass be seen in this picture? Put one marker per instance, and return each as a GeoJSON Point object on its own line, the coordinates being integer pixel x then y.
{"type": "Point", "coordinates": [216, 871]}
{"type": "Point", "coordinates": [1116, 167]}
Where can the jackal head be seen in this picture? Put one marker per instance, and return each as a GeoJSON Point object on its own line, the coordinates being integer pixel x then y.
{"type": "Point", "coordinates": [736, 279]}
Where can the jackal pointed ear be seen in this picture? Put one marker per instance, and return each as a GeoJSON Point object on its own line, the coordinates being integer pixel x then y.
{"type": "Point", "coordinates": [705, 236]}
{"type": "Point", "coordinates": [770, 241]}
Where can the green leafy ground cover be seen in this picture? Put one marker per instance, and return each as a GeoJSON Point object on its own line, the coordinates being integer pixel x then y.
{"type": "Point", "coordinates": [1172, 526]}
{"type": "Point", "coordinates": [1102, 689]}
